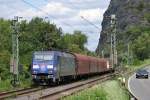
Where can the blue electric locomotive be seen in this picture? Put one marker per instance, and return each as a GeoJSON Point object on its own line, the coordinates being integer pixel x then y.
{"type": "Point", "coordinates": [52, 66]}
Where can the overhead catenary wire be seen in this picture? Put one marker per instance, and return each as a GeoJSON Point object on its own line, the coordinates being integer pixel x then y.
{"type": "Point", "coordinates": [12, 12]}
{"type": "Point", "coordinates": [37, 8]}
{"type": "Point", "coordinates": [90, 22]}
{"type": "Point", "coordinates": [82, 17]}
{"type": "Point", "coordinates": [60, 1]}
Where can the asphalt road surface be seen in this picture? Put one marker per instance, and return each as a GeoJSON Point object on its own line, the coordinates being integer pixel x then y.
{"type": "Point", "coordinates": [140, 88]}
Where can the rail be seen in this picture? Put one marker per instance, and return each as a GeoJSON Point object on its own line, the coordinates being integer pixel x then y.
{"type": "Point", "coordinates": [56, 92]}
{"type": "Point", "coordinates": [15, 93]}
{"type": "Point", "coordinates": [75, 88]}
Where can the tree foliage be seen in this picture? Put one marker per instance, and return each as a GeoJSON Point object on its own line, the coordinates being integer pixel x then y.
{"type": "Point", "coordinates": [73, 42]}
{"type": "Point", "coordinates": [138, 40]}
{"type": "Point", "coordinates": [141, 46]}
{"type": "Point", "coordinates": [134, 44]}
{"type": "Point", "coordinates": [35, 35]}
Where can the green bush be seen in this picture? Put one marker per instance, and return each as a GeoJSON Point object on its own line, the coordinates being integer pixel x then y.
{"type": "Point", "coordinates": [5, 85]}
{"type": "Point", "coordinates": [137, 62]}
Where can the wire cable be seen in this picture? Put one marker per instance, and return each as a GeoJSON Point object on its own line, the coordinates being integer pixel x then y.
{"type": "Point", "coordinates": [90, 22]}
{"type": "Point", "coordinates": [45, 13]}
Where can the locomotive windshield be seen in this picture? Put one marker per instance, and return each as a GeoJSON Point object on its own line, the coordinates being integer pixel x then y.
{"type": "Point", "coordinates": [43, 57]}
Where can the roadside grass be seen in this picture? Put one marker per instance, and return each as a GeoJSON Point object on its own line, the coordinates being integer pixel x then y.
{"type": "Point", "coordinates": [115, 91]}
{"type": "Point", "coordinates": [109, 90]}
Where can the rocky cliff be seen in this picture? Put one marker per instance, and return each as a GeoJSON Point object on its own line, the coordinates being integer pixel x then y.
{"type": "Point", "coordinates": [129, 13]}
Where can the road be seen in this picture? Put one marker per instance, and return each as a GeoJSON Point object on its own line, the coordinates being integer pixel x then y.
{"type": "Point", "coordinates": [140, 88]}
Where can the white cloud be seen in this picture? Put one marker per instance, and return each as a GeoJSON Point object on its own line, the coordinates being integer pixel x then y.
{"type": "Point", "coordinates": [84, 4]}
{"type": "Point", "coordinates": [53, 10]}
{"type": "Point", "coordinates": [55, 6]}
{"type": "Point", "coordinates": [62, 12]}
{"type": "Point", "coordinates": [29, 13]}
{"type": "Point", "coordinates": [57, 9]}
{"type": "Point", "coordinates": [92, 14]}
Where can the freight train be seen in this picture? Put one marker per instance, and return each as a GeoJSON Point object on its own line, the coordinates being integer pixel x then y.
{"type": "Point", "coordinates": [55, 66]}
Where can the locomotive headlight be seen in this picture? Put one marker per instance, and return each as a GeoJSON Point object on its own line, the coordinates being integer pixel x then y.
{"type": "Point", "coordinates": [36, 67]}
{"type": "Point", "coordinates": [49, 66]}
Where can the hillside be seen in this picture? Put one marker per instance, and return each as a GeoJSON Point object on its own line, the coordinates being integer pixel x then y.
{"type": "Point", "coordinates": [133, 23]}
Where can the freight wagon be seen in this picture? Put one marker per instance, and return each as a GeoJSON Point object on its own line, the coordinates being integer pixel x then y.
{"type": "Point", "coordinates": [54, 66]}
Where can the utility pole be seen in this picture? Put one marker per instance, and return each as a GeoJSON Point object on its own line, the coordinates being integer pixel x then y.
{"type": "Point", "coordinates": [113, 41]}
{"type": "Point", "coordinates": [128, 54]}
{"type": "Point", "coordinates": [129, 51]}
{"type": "Point", "coordinates": [111, 51]}
{"type": "Point", "coordinates": [15, 51]}
{"type": "Point", "coordinates": [99, 52]}
{"type": "Point", "coordinates": [102, 53]}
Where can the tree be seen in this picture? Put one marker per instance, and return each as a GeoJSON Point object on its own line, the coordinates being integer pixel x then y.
{"type": "Point", "coordinates": [36, 35]}
{"type": "Point", "coordinates": [141, 46]}
{"type": "Point", "coordinates": [79, 39]}
{"type": "Point", "coordinates": [73, 42]}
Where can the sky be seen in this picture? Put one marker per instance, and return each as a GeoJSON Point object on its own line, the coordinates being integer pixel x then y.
{"type": "Point", "coordinates": [64, 13]}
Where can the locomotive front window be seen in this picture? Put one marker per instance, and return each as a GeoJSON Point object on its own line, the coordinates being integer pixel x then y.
{"type": "Point", "coordinates": [43, 57]}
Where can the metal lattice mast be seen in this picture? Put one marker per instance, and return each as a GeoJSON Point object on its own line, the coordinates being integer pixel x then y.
{"type": "Point", "coordinates": [113, 41]}
{"type": "Point", "coordinates": [111, 51]}
{"type": "Point", "coordinates": [15, 51]}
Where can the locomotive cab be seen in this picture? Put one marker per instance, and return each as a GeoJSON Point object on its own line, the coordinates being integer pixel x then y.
{"type": "Point", "coordinates": [52, 66]}
{"type": "Point", "coordinates": [43, 67]}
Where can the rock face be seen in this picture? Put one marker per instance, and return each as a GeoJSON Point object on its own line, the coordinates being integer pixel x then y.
{"type": "Point", "coordinates": [128, 13]}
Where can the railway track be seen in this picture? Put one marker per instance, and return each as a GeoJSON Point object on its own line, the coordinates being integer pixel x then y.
{"type": "Point", "coordinates": [53, 93]}
{"type": "Point", "coordinates": [74, 88]}
{"type": "Point", "coordinates": [14, 93]}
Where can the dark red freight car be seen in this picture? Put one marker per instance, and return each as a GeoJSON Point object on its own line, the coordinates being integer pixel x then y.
{"type": "Point", "coordinates": [93, 65]}
{"type": "Point", "coordinates": [103, 65]}
{"type": "Point", "coordinates": [89, 65]}
{"type": "Point", "coordinates": [83, 64]}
